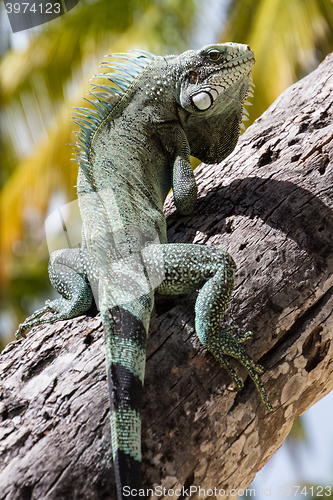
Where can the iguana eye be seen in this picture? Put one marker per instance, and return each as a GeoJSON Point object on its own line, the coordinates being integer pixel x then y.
{"type": "Point", "coordinates": [193, 77]}
{"type": "Point", "coordinates": [214, 55]}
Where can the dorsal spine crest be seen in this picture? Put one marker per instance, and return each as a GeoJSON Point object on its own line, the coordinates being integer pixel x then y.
{"type": "Point", "coordinates": [106, 102]}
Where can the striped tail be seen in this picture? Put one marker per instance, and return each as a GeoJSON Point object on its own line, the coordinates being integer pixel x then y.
{"type": "Point", "coordinates": [125, 339]}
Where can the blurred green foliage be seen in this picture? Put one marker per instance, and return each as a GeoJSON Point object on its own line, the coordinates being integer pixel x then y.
{"type": "Point", "coordinates": [42, 83]}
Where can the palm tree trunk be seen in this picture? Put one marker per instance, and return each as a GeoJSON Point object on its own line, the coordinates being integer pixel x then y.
{"type": "Point", "coordinates": [270, 204]}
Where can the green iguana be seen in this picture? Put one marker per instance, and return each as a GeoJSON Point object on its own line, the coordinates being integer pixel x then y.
{"type": "Point", "coordinates": [132, 149]}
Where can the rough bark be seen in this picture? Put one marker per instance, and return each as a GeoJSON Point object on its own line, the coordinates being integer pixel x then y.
{"type": "Point", "coordinates": [270, 205]}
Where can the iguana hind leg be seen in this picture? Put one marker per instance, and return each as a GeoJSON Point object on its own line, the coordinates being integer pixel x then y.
{"type": "Point", "coordinates": [67, 275]}
{"type": "Point", "coordinates": [210, 269]}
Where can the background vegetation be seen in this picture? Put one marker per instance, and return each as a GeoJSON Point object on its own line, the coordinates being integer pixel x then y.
{"type": "Point", "coordinates": [45, 71]}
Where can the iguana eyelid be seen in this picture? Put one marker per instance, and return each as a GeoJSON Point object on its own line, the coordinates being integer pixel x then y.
{"type": "Point", "coordinates": [214, 53]}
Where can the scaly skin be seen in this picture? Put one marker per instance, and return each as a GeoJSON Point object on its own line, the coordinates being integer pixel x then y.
{"type": "Point", "coordinates": [131, 151]}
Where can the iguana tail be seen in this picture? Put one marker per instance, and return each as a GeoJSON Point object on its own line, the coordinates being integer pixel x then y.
{"type": "Point", "coordinates": [125, 357]}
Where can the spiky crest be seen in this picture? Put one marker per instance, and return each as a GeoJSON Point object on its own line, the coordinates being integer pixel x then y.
{"type": "Point", "coordinates": [104, 99]}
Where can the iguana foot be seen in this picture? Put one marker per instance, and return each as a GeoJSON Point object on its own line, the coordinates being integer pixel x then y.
{"type": "Point", "coordinates": [62, 308]}
{"type": "Point", "coordinates": [224, 344]}
{"type": "Point", "coordinates": [34, 320]}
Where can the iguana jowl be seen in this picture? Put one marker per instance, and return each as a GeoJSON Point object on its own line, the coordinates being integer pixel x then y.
{"type": "Point", "coordinates": [132, 149]}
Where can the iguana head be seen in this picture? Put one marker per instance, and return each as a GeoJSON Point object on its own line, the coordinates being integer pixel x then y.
{"type": "Point", "coordinates": [208, 85]}
{"type": "Point", "coordinates": [213, 84]}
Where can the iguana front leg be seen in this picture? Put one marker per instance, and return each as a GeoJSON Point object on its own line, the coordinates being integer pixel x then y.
{"type": "Point", "coordinates": [184, 186]}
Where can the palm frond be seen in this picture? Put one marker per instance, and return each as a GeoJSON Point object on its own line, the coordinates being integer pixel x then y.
{"type": "Point", "coordinates": [288, 38]}
{"type": "Point", "coordinates": [43, 84]}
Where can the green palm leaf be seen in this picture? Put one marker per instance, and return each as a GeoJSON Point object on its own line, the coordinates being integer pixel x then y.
{"type": "Point", "coordinates": [40, 88]}
{"type": "Point", "coordinates": [288, 37]}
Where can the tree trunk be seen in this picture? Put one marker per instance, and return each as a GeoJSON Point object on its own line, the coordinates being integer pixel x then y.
{"type": "Point", "coordinates": [270, 205]}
